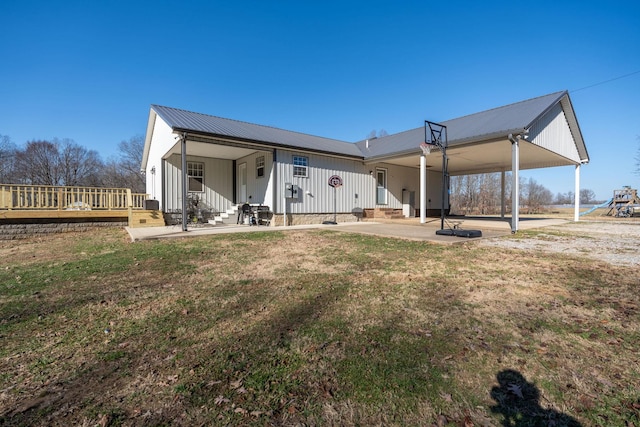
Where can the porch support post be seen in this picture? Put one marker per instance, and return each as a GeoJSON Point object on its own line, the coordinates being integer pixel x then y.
{"type": "Point", "coordinates": [576, 209]}
{"type": "Point", "coordinates": [423, 189]}
{"type": "Point", "coordinates": [515, 183]}
{"type": "Point", "coordinates": [183, 153]}
{"type": "Point", "coordinates": [503, 195]}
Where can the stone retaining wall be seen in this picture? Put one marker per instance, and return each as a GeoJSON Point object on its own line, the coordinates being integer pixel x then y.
{"type": "Point", "coordinates": [300, 219]}
{"type": "Point", "coordinates": [24, 230]}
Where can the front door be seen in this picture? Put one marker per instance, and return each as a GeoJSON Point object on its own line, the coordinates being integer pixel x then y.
{"type": "Point", "coordinates": [242, 183]}
{"type": "Point", "coordinates": [381, 182]}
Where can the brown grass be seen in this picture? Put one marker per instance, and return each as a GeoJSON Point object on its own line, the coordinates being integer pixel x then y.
{"type": "Point", "coordinates": [312, 327]}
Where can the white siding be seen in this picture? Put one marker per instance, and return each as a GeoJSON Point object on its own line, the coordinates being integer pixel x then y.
{"type": "Point", "coordinates": [163, 140]}
{"type": "Point", "coordinates": [553, 133]}
{"type": "Point", "coordinates": [218, 183]}
{"type": "Point", "coordinates": [359, 185]}
{"type": "Point", "coordinates": [259, 189]}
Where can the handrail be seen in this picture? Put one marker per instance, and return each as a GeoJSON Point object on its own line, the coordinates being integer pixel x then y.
{"type": "Point", "coordinates": [53, 197]}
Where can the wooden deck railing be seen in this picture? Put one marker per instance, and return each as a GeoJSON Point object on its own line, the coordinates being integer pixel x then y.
{"type": "Point", "coordinates": [48, 197]}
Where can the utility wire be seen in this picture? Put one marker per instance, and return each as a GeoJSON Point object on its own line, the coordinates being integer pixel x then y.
{"type": "Point", "coordinates": [606, 81]}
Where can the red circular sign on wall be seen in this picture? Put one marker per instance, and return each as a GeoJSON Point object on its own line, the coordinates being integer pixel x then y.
{"type": "Point", "coordinates": [335, 181]}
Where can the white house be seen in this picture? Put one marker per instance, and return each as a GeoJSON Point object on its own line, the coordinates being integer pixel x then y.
{"type": "Point", "coordinates": [227, 162]}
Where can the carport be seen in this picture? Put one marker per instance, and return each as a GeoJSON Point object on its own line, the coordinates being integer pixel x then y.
{"type": "Point", "coordinates": [537, 133]}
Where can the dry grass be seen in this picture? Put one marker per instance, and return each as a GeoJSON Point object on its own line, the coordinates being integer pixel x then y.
{"type": "Point", "coordinates": [315, 328]}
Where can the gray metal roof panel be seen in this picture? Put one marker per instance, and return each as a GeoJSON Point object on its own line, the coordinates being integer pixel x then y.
{"type": "Point", "coordinates": [218, 126]}
{"type": "Point", "coordinates": [495, 122]}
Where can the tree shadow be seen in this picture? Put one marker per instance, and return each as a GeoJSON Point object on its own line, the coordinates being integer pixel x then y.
{"type": "Point", "coordinates": [519, 403]}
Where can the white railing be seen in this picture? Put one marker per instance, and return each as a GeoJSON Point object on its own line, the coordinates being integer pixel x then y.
{"type": "Point", "coordinates": [50, 197]}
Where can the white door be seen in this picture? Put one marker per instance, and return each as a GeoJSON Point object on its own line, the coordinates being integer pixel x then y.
{"type": "Point", "coordinates": [381, 184]}
{"type": "Point", "coordinates": [242, 183]}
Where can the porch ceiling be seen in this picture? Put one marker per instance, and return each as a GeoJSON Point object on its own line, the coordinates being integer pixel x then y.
{"type": "Point", "coordinates": [206, 149]}
{"type": "Point", "coordinates": [471, 158]}
{"type": "Point", "coordinates": [490, 156]}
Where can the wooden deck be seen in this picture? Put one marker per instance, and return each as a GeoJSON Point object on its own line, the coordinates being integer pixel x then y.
{"type": "Point", "coordinates": [24, 203]}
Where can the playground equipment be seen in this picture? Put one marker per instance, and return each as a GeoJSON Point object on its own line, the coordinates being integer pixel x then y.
{"type": "Point", "coordinates": [625, 203]}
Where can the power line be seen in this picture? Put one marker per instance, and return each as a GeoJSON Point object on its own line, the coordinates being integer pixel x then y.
{"type": "Point", "coordinates": [606, 81]}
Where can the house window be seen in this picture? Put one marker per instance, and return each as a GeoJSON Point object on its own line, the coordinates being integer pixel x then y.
{"type": "Point", "coordinates": [260, 166]}
{"type": "Point", "coordinates": [195, 174]}
{"type": "Point", "coordinates": [300, 165]}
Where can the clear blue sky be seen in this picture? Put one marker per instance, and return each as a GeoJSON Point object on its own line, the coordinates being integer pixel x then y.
{"type": "Point", "coordinates": [89, 70]}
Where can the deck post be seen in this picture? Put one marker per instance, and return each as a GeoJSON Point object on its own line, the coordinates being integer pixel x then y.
{"type": "Point", "coordinates": [129, 205]}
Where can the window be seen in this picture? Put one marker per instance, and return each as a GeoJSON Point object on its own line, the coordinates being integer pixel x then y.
{"type": "Point", "coordinates": [300, 165]}
{"type": "Point", "coordinates": [260, 167]}
{"type": "Point", "coordinates": [195, 174]}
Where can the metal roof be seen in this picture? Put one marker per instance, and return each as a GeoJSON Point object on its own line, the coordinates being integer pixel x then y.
{"type": "Point", "coordinates": [181, 120]}
{"type": "Point", "coordinates": [494, 123]}
{"type": "Point", "coordinates": [483, 126]}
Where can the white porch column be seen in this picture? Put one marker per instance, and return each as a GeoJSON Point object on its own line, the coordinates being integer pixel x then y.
{"type": "Point", "coordinates": [503, 195]}
{"type": "Point", "coordinates": [183, 155]}
{"type": "Point", "coordinates": [515, 184]}
{"type": "Point", "coordinates": [576, 209]}
{"type": "Point", "coordinates": [423, 189]}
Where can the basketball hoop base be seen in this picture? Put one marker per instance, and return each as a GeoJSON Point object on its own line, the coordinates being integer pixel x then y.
{"type": "Point", "coordinates": [460, 233]}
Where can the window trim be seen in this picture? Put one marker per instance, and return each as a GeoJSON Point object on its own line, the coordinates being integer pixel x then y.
{"type": "Point", "coordinates": [260, 166]}
{"type": "Point", "coordinates": [297, 168]}
{"type": "Point", "coordinates": [195, 167]}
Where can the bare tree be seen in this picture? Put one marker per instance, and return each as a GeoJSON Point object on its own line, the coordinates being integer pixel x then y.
{"type": "Point", "coordinates": [587, 196]}
{"type": "Point", "coordinates": [37, 164]}
{"type": "Point", "coordinates": [57, 163]}
{"type": "Point", "coordinates": [536, 196]}
{"type": "Point", "coordinates": [7, 153]}
{"type": "Point", "coordinates": [124, 170]}
{"type": "Point", "coordinates": [477, 194]}
{"type": "Point", "coordinates": [77, 165]}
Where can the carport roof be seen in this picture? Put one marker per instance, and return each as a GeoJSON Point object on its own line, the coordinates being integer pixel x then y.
{"type": "Point", "coordinates": [483, 126]}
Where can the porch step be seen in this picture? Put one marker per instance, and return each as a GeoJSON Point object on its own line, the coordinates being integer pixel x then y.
{"type": "Point", "coordinates": [146, 218]}
{"type": "Point", "coordinates": [228, 217]}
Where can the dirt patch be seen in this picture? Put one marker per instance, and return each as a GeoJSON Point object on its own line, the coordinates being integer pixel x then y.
{"type": "Point", "coordinates": [614, 243]}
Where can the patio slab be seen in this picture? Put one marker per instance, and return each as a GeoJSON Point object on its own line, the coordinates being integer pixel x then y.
{"type": "Point", "coordinates": [404, 228]}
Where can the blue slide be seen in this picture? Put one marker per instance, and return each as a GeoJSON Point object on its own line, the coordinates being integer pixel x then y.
{"type": "Point", "coordinates": [604, 205]}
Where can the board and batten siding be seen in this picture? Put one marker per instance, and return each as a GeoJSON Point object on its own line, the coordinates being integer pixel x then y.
{"type": "Point", "coordinates": [218, 183]}
{"type": "Point", "coordinates": [259, 189]}
{"type": "Point", "coordinates": [359, 184]}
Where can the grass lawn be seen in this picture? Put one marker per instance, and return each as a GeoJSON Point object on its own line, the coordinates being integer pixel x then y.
{"type": "Point", "coordinates": [312, 328]}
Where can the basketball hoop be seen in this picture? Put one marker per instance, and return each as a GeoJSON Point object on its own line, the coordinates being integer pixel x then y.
{"type": "Point", "coordinates": [426, 148]}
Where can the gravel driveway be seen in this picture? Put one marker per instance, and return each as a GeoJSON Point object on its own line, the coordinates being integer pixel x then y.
{"type": "Point", "coordinates": [616, 243]}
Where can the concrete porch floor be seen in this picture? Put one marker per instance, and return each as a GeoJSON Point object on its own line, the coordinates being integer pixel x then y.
{"type": "Point", "coordinates": [408, 228]}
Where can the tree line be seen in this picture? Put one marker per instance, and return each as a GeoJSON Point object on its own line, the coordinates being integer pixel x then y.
{"type": "Point", "coordinates": [64, 162]}
{"type": "Point", "coordinates": [481, 194]}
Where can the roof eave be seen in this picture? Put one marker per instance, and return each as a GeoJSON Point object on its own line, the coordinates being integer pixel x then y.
{"type": "Point", "coordinates": [264, 144]}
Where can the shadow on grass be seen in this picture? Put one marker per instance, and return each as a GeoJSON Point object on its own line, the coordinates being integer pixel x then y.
{"type": "Point", "coordinates": [519, 403]}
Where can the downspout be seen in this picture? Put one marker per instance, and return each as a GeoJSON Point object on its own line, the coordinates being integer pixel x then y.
{"type": "Point", "coordinates": [274, 180]}
{"type": "Point", "coordinates": [515, 183]}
